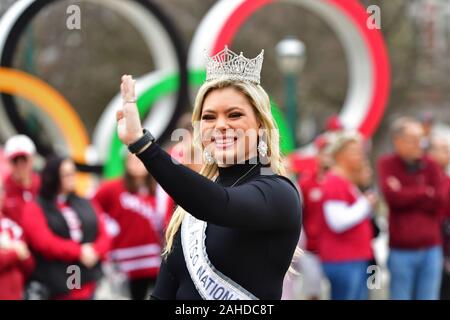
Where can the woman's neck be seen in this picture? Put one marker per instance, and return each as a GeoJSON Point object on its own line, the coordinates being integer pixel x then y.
{"type": "Point", "coordinates": [343, 172]}
{"type": "Point", "coordinates": [250, 157]}
{"type": "Point", "coordinates": [230, 174]}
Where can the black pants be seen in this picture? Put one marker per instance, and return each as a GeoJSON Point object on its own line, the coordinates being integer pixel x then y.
{"type": "Point", "coordinates": [140, 288]}
{"type": "Point", "coordinates": [445, 286]}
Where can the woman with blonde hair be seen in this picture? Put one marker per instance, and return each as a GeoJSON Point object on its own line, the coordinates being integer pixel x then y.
{"type": "Point", "coordinates": [345, 229]}
{"type": "Point", "coordinates": [237, 225]}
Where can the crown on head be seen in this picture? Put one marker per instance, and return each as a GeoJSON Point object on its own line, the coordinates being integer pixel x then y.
{"type": "Point", "coordinates": [228, 65]}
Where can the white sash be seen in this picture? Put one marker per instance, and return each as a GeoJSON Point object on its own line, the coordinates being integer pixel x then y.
{"type": "Point", "coordinates": [210, 283]}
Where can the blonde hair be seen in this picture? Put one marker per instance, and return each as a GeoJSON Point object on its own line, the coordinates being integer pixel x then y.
{"type": "Point", "coordinates": [261, 105]}
{"type": "Point", "coordinates": [340, 139]}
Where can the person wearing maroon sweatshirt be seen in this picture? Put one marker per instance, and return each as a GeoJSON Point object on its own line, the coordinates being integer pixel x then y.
{"type": "Point", "coordinates": [16, 262]}
{"type": "Point", "coordinates": [414, 190]}
{"type": "Point", "coordinates": [440, 152]}
{"type": "Point", "coordinates": [21, 184]}
{"type": "Point", "coordinates": [66, 234]}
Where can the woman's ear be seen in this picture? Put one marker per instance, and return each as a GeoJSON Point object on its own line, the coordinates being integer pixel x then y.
{"type": "Point", "coordinates": [260, 123]}
{"type": "Point", "coordinates": [261, 126]}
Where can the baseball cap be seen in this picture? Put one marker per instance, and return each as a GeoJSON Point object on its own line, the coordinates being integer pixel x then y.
{"type": "Point", "coordinates": [19, 145]}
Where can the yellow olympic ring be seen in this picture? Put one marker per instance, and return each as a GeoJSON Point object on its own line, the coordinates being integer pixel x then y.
{"type": "Point", "coordinates": [57, 108]}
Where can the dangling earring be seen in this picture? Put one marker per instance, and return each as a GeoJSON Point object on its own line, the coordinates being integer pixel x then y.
{"type": "Point", "coordinates": [208, 157]}
{"type": "Point", "coordinates": [262, 148]}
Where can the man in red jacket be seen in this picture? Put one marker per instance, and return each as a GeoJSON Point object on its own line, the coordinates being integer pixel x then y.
{"type": "Point", "coordinates": [22, 184]}
{"type": "Point", "coordinates": [16, 261]}
{"type": "Point", "coordinates": [414, 190]}
{"type": "Point", "coordinates": [440, 152]}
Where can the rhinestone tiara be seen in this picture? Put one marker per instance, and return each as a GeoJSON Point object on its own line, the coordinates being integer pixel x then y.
{"type": "Point", "coordinates": [228, 65]}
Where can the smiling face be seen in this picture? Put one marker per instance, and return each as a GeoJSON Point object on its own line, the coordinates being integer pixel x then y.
{"type": "Point", "coordinates": [229, 126]}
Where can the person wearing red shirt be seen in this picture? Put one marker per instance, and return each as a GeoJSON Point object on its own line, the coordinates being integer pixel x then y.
{"type": "Point", "coordinates": [346, 231]}
{"type": "Point", "coordinates": [440, 152]}
{"type": "Point", "coordinates": [21, 184]}
{"type": "Point", "coordinates": [414, 190]}
{"type": "Point", "coordinates": [310, 184]}
{"type": "Point", "coordinates": [16, 262]}
{"type": "Point", "coordinates": [311, 188]}
{"type": "Point", "coordinates": [66, 234]}
{"type": "Point", "coordinates": [138, 207]}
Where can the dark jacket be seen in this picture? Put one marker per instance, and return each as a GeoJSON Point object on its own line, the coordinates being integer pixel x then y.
{"type": "Point", "coordinates": [54, 273]}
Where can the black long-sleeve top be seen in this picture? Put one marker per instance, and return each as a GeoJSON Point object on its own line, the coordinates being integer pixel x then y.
{"type": "Point", "coordinates": [253, 227]}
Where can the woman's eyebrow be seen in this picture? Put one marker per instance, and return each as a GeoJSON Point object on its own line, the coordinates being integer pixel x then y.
{"type": "Point", "coordinates": [231, 108]}
{"type": "Point", "coordinates": [208, 111]}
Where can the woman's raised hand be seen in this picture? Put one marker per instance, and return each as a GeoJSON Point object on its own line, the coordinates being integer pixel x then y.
{"type": "Point", "coordinates": [129, 128]}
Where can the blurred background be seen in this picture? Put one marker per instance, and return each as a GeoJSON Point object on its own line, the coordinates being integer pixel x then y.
{"type": "Point", "coordinates": [84, 64]}
{"type": "Point", "coordinates": [80, 49]}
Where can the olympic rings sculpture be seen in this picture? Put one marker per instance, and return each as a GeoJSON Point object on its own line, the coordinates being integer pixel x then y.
{"type": "Point", "coordinates": [154, 27]}
{"type": "Point", "coordinates": [163, 92]}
